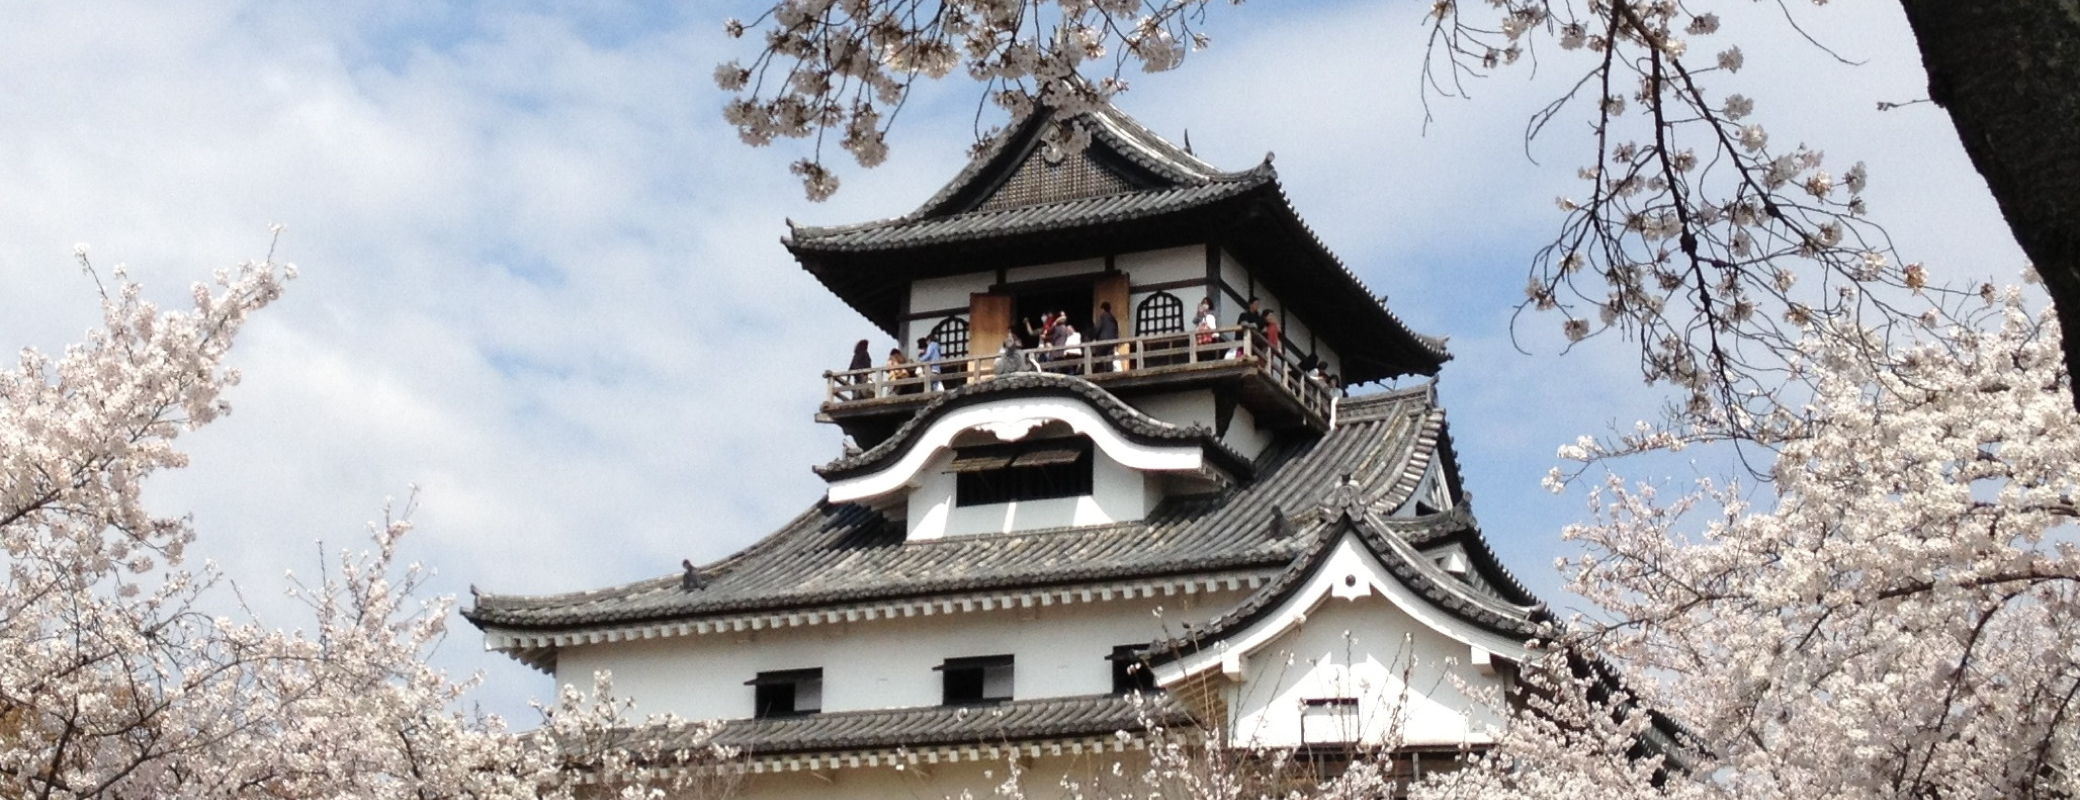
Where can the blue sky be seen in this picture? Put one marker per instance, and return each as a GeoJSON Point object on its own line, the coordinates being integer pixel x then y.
{"type": "Point", "coordinates": [542, 280]}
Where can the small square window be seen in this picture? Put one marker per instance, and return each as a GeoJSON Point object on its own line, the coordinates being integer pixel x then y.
{"type": "Point", "coordinates": [787, 693]}
{"type": "Point", "coordinates": [976, 680]}
{"type": "Point", "coordinates": [1130, 670]}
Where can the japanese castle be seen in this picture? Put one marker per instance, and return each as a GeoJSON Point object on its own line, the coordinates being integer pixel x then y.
{"type": "Point", "coordinates": [1042, 546]}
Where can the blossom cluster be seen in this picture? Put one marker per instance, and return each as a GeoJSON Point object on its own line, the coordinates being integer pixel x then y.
{"type": "Point", "coordinates": [1892, 615]}
{"type": "Point", "coordinates": [844, 67]}
{"type": "Point", "coordinates": [120, 680]}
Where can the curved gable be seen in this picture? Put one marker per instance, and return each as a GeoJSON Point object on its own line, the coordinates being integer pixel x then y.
{"type": "Point", "coordinates": [1002, 404]}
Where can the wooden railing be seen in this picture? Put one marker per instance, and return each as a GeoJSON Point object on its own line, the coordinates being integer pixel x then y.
{"type": "Point", "coordinates": [1097, 361]}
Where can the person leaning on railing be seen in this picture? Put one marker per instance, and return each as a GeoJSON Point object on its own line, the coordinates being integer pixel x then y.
{"type": "Point", "coordinates": [899, 373]}
{"type": "Point", "coordinates": [1072, 349]}
{"type": "Point", "coordinates": [1105, 329]}
{"type": "Point", "coordinates": [861, 359]}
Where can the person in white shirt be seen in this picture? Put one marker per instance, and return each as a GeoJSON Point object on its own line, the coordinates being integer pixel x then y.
{"type": "Point", "coordinates": [1072, 352]}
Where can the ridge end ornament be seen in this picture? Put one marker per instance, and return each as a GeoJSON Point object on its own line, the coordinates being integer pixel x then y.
{"type": "Point", "coordinates": [1345, 498]}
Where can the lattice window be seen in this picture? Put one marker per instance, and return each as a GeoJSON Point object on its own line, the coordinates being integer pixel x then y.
{"type": "Point", "coordinates": [952, 333]}
{"type": "Point", "coordinates": [1162, 312]}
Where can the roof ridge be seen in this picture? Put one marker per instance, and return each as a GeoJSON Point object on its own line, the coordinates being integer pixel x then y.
{"type": "Point", "coordinates": [1434, 344]}
{"type": "Point", "coordinates": [997, 158]}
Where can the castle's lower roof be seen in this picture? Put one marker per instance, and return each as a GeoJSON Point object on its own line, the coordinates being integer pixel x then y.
{"type": "Point", "coordinates": [840, 554]}
{"type": "Point", "coordinates": [932, 726]}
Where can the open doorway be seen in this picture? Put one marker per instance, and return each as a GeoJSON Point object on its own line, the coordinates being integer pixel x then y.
{"type": "Point", "coordinates": [1030, 305]}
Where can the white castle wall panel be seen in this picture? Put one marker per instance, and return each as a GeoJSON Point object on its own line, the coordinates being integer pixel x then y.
{"type": "Point", "coordinates": [1119, 494]}
{"type": "Point", "coordinates": [1060, 269]}
{"type": "Point", "coordinates": [1168, 265]}
{"type": "Point", "coordinates": [1400, 672]}
{"type": "Point", "coordinates": [951, 292]}
{"type": "Point", "coordinates": [1059, 651]}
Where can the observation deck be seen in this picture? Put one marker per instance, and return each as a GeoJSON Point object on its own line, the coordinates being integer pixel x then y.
{"type": "Point", "coordinates": [1235, 362]}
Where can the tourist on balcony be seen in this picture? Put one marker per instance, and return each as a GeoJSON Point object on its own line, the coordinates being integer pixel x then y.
{"type": "Point", "coordinates": [928, 357]}
{"type": "Point", "coordinates": [1204, 324]}
{"type": "Point", "coordinates": [1252, 317]}
{"type": "Point", "coordinates": [1105, 329]}
{"type": "Point", "coordinates": [899, 372]}
{"type": "Point", "coordinates": [1272, 333]}
{"type": "Point", "coordinates": [1010, 359]}
{"type": "Point", "coordinates": [861, 360]}
{"type": "Point", "coordinates": [1072, 349]}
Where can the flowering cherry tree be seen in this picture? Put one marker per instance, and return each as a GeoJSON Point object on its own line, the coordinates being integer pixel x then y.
{"type": "Point", "coordinates": [1693, 234]}
{"type": "Point", "coordinates": [118, 680]}
{"type": "Point", "coordinates": [1893, 616]}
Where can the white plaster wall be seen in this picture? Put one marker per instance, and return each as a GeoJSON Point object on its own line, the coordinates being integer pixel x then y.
{"type": "Point", "coordinates": [1119, 494]}
{"type": "Point", "coordinates": [937, 294]}
{"type": "Point", "coordinates": [1197, 408]}
{"type": "Point", "coordinates": [1056, 270]}
{"type": "Point", "coordinates": [1367, 649]}
{"type": "Point", "coordinates": [1244, 435]}
{"type": "Point", "coordinates": [1148, 267]}
{"type": "Point", "coordinates": [1058, 651]}
{"type": "Point", "coordinates": [1237, 278]}
{"type": "Point", "coordinates": [1178, 408]}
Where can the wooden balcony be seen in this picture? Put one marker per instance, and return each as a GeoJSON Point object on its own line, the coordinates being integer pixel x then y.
{"type": "Point", "coordinates": [869, 402]}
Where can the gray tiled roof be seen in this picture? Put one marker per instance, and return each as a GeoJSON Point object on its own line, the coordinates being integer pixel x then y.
{"type": "Point", "coordinates": [1126, 419]}
{"type": "Point", "coordinates": [903, 232]}
{"type": "Point", "coordinates": [834, 554]}
{"type": "Point", "coordinates": [1015, 721]}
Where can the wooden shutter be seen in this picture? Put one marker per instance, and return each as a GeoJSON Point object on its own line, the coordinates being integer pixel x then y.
{"type": "Point", "coordinates": [1113, 288]}
{"type": "Point", "coordinates": [989, 318]}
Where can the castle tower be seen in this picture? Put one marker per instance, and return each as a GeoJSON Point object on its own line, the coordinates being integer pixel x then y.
{"type": "Point", "coordinates": [1061, 530]}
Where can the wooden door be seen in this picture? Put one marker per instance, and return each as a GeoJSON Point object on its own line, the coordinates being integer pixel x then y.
{"type": "Point", "coordinates": [989, 319]}
{"type": "Point", "coordinates": [1113, 288]}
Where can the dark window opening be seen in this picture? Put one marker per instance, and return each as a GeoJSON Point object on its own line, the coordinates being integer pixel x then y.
{"type": "Point", "coordinates": [1031, 305]}
{"type": "Point", "coordinates": [787, 693]}
{"type": "Point", "coordinates": [1131, 673]}
{"type": "Point", "coordinates": [1036, 470]}
{"type": "Point", "coordinates": [976, 680]}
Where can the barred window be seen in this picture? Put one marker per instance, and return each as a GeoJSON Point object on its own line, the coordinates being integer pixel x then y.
{"type": "Point", "coordinates": [1032, 470]}
{"type": "Point", "coordinates": [952, 333]}
{"type": "Point", "coordinates": [1162, 312]}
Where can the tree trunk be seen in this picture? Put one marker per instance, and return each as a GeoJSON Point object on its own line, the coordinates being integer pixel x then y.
{"type": "Point", "coordinates": [2008, 71]}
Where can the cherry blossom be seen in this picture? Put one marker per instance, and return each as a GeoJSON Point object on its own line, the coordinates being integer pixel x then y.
{"type": "Point", "coordinates": [125, 675]}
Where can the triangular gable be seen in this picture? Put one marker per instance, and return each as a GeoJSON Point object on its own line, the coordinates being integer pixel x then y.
{"type": "Point", "coordinates": [1022, 167]}
{"type": "Point", "coordinates": [1352, 563]}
